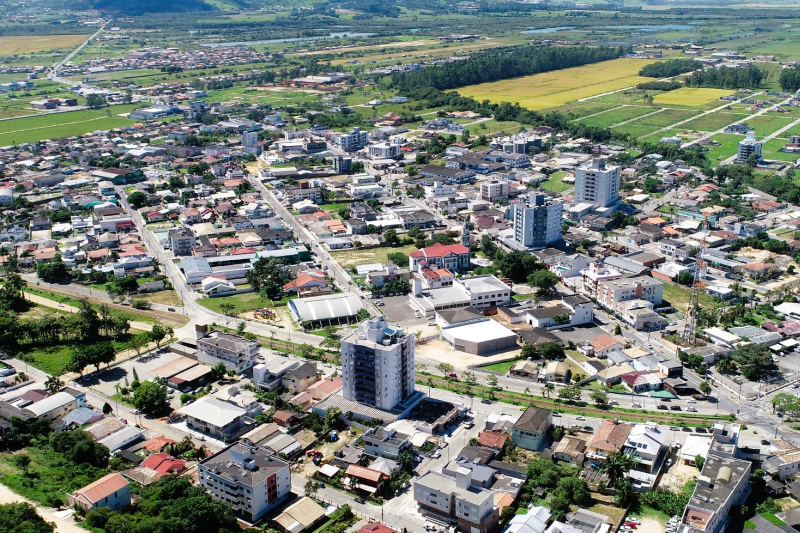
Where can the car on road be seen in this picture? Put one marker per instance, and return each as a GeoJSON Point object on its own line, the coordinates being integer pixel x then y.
{"type": "Point", "coordinates": [673, 428]}
{"type": "Point", "coordinates": [692, 409]}
{"type": "Point", "coordinates": [662, 407]}
{"type": "Point", "coordinates": [701, 430]}
{"type": "Point", "coordinates": [692, 401]}
{"type": "Point", "coordinates": [360, 500]}
{"type": "Point", "coordinates": [669, 462]}
{"type": "Point", "coordinates": [580, 417]}
{"type": "Point", "coordinates": [171, 309]}
{"type": "Point", "coordinates": [379, 303]}
{"type": "Point", "coordinates": [675, 407]}
{"type": "Point", "coordinates": [765, 442]}
{"type": "Point", "coordinates": [134, 411]}
{"type": "Point", "coordinates": [485, 400]}
{"type": "Point", "coordinates": [636, 405]}
{"type": "Point", "coordinates": [469, 424]}
{"type": "Point", "coordinates": [556, 413]}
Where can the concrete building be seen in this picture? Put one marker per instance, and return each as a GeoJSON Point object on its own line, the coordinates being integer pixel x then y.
{"type": "Point", "coordinates": [250, 479]}
{"type": "Point", "coordinates": [456, 500]}
{"type": "Point", "coordinates": [494, 190]}
{"type": "Point", "coordinates": [378, 364]}
{"type": "Point", "coordinates": [384, 151]}
{"type": "Point", "coordinates": [453, 257]}
{"type": "Point", "coordinates": [537, 221]}
{"type": "Point", "coordinates": [598, 184]}
{"type": "Point", "coordinates": [747, 147]}
{"type": "Point", "coordinates": [182, 241]}
{"type": "Point", "coordinates": [235, 352]}
{"type": "Point", "coordinates": [384, 442]}
{"type": "Point", "coordinates": [53, 407]}
{"type": "Point", "coordinates": [723, 483]}
{"type": "Point", "coordinates": [530, 431]}
{"type": "Point", "coordinates": [594, 275]}
{"type": "Point", "coordinates": [353, 140]}
{"type": "Point", "coordinates": [612, 293]}
{"type": "Point", "coordinates": [213, 416]}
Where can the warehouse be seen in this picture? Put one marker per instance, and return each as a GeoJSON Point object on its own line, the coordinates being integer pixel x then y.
{"type": "Point", "coordinates": [481, 336]}
{"type": "Point", "coordinates": [327, 310]}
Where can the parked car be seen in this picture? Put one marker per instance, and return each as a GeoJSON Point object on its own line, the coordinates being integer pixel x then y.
{"type": "Point", "coordinates": [486, 400]}
{"type": "Point", "coordinates": [662, 407]}
{"type": "Point", "coordinates": [580, 417]}
{"type": "Point", "coordinates": [765, 442]}
{"type": "Point", "coordinates": [692, 409]}
{"type": "Point", "coordinates": [675, 407]}
{"type": "Point", "coordinates": [171, 309]}
{"type": "Point", "coordinates": [360, 500]}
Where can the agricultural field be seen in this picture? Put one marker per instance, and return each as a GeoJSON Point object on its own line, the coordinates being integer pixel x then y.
{"type": "Point", "coordinates": [651, 124]}
{"type": "Point", "coordinates": [613, 116]}
{"type": "Point", "coordinates": [550, 89]}
{"type": "Point", "coordinates": [27, 44]}
{"type": "Point", "coordinates": [55, 125]}
{"type": "Point", "coordinates": [691, 96]}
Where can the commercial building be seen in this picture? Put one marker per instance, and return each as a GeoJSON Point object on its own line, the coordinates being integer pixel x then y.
{"type": "Point", "coordinates": [213, 416]}
{"type": "Point", "coordinates": [250, 479]}
{"type": "Point", "coordinates": [537, 221]}
{"type": "Point", "coordinates": [598, 184]}
{"type": "Point", "coordinates": [456, 500]}
{"type": "Point", "coordinates": [494, 190]}
{"type": "Point", "coordinates": [326, 310]}
{"type": "Point", "coordinates": [378, 364]}
{"type": "Point", "coordinates": [747, 147]}
{"type": "Point", "coordinates": [453, 257]}
{"type": "Point", "coordinates": [479, 336]}
{"type": "Point", "coordinates": [530, 431]}
{"type": "Point", "coordinates": [53, 407]}
{"type": "Point", "coordinates": [235, 352]}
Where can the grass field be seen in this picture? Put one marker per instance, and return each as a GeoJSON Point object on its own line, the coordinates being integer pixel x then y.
{"type": "Point", "coordinates": [26, 44]}
{"type": "Point", "coordinates": [691, 96]}
{"type": "Point", "coordinates": [615, 116]}
{"type": "Point", "coordinates": [713, 121]}
{"type": "Point", "coordinates": [555, 184]}
{"type": "Point", "coordinates": [550, 89]}
{"type": "Point", "coordinates": [243, 303]}
{"type": "Point", "coordinates": [350, 258]}
{"type": "Point", "coordinates": [770, 151]}
{"type": "Point", "coordinates": [650, 124]}
{"type": "Point", "coordinates": [766, 124]}
{"type": "Point", "coordinates": [503, 368]}
{"type": "Point", "coordinates": [727, 148]}
{"type": "Point", "coordinates": [55, 125]}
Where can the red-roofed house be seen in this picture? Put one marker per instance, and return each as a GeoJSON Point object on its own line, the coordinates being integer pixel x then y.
{"type": "Point", "coordinates": [493, 439]}
{"type": "Point", "coordinates": [642, 381]}
{"type": "Point", "coordinates": [601, 346]}
{"type": "Point", "coordinates": [324, 388]}
{"type": "Point", "coordinates": [157, 444]}
{"type": "Point", "coordinates": [367, 479]}
{"type": "Point", "coordinates": [375, 527]}
{"type": "Point", "coordinates": [305, 280]}
{"type": "Point", "coordinates": [164, 463]}
{"type": "Point", "coordinates": [449, 256]}
{"type": "Point", "coordinates": [112, 491]}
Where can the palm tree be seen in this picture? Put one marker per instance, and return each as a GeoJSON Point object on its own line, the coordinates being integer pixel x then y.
{"type": "Point", "coordinates": [616, 466]}
{"type": "Point", "coordinates": [53, 384]}
{"type": "Point", "coordinates": [548, 389]}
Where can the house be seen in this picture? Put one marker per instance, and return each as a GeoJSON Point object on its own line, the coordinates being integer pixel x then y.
{"type": "Point", "coordinates": [534, 521]}
{"type": "Point", "coordinates": [366, 479]}
{"type": "Point", "coordinates": [112, 491]}
{"type": "Point", "coordinates": [383, 442]}
{"type": "Point", "coordinates": [524, 369]}
{"type": "Point", "coordinates": [301, 516]}
{"type": "Point", "coordinates": [647, 444]}
{"type": "Point", "coordinates": [557, 372]}
{"type": "Point", "coordinates": [570, 450]}
{"type": "Point", "coordinates": [493, 439]}
{"type": "Point", "coordinates": [608, 439]}
{"type": "Point", "coordinates": [306, 280]}
{"type": "Point", "coordinates": [214, 416]}
{"type": "Point", "coordinates": [642, 381]}
{"type": "Point", "coordinates": [284, 417]}
{"type": "Point", "coordinates": [453, 257]}
{"type": "Point", "coordinates": [600, 346]}
{"type": "Point", "coordinates": [300, 377]}
{"type": "Point", "coordinates": [530, 430]}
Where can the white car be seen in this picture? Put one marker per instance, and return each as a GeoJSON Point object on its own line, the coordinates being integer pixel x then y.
{"type": "Point", "coordinates": [692, 401]}
{"type": "Point", "coordinates": [580, 417]}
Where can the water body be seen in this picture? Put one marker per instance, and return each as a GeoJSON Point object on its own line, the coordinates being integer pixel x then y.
{"type": "Point", "coordinates": [660, 27]}
{"type": "Point", "coordinates": [291, 40]}
{"type": "Point", "coordinates": [548, 30]}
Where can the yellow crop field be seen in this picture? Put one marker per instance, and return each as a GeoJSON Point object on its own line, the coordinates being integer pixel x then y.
{"type": "Point", "coordinates": [691, 96]}
{"type": "Point", "coordinates": [27, 44]}
{"type": "Point", "coordinates": [551, 89]}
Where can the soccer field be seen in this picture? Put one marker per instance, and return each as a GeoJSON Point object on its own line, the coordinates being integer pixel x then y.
{"type": "Point", "coordinates": [550, 89]}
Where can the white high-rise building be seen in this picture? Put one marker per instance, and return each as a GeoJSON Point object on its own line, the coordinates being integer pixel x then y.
{"type": "Point", "coordinates": [748, 147]}
{"type": "Point", "coordinates": [537, 221]}
{"type": "Point", "coordinates": [597, 183]}
{"type": "Point", "coordinates": [378, 364]}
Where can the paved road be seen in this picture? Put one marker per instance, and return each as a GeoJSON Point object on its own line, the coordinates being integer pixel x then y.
{"type": "Point", "coordinates": [53, 74]}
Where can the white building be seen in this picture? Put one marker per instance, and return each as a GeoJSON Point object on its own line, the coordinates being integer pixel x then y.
{"type": "Point", "coordinates": [378, 364]}
{"type": "Point", "coordinates": [54, 406]}
{"type": "Point", "coordinates": [384, 151]}
{"type": "Point", "coordinates": [537, 221]}
{"type": "Point", "coordinates": [235, 352]}
{"type": "Point", "coordinates": [250, 479]}
{"type": "Point", "coordinates": [353, 140]}
{"type": "Point", "coordinates": [494, 190]}
{"type": "Point", "coordinates": [597, 183]}
{"type": "Point", "coordinates": [747, 147]}
{"type": "Point", "coordinates": [596, 274]}
{"type": "Point", "coordinates": [723, 483]}
{"type": "Point", "coordinates": [443, 496]}
{"type": "Point", "coordinates": [612, 293]}
{"type": "Point", "coordinates": [439, 190]}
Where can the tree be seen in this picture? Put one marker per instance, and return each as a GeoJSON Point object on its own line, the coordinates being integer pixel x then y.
{"type": "Point", "coordinates": [623, 492]}
{"type": "Point", "coordinates": [530, 351]}
{"type": "Point", "coordinates": [517, 265]}
{"type": "Point", "coordinates": [548, 389]}
{"type": "Point", "coordinates": [159, 332]}
{"type": "Point", "coordinates": [491, 380]}
{"type": "Point", "coordinates": [53, 384]}
{"type": "Point", "coordinates": [616, 466]}
{"type": "Point", "coordinates": [786, 403]}
{"type": "Point", "coordinates": [574, 489]}
{"type": "Point", "coordinates": [306, 350]}
{"type": "Point", "coordinates": [138, 342]}
{"type": "Point", "coordinates": [543, 281]}
{"type": "Point", "coordinates": [78, 361]}
{"type": "Point", "coordinates": [754, 361]}
{"type": "Point", "coordinates": [558, 433]}
{"type": "Point", "coordinates": [107, 409]}
{"type": "Point", "coordinates": [23, 518]}
{"type": "Point", "coordinates": [445, 368]}
{"type": "Point", "coordinates": [333, 418]}
{"type": "Point", "coordinates": [96, 101]}
{"type": "Point", "coordinates": [137, 199]}
{"type": "Point", "coordinates": [391, 238]}
{"type": "Point", "coordinates": [569, 393]}
{"type": "Point", "coordinates": [726, 365]}
{"type": "Point", "coordinates": [150, 397]}
{"type": "Point", "coordinates": [362, 314]}
{"type": "Point", "coordinates": [551, 350]}
{"type": "Point", "coordinates": [53, 271]}
{"type": "Point", "coordinates": [705, 388]}
{"type": "Point", "coordinates": [310, 488]}
{"type": "Point", "coordinates": [617, 330]}
{"type": "Point", "coordinates": [228, 309]}
{"type": "Point", "coordinates": [23, 461]}
{"type": "Point", "coordinates": [268, 276]}
{"type": "Point", "coordinates": [600, 397]}
{"type": "Point", "coordinates": [699, 460]}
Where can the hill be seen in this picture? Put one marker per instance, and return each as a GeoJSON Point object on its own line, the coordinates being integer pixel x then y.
{"type": "Point", "coordinates": [140, 7]}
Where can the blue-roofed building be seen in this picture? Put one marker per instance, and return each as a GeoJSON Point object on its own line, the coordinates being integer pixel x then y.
{"type": "Point", "coordinates": [195, 269]}
{"type": "Point", "coordinates": [79, 417]}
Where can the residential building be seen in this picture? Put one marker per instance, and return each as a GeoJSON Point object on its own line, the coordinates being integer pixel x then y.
{"type": "Point", "coordinates": [612, 293]}
{"type": "Point", "coordinates": [112, 491]}
{"type": "Point", "coordinates": [367, 479]}
{"type": "Point", "coordinates": [353, 140]}
{"type": "Point", "coordinates": [494, 190]}
{"type": "Point", "coordinates": [313, 194]}
{"type": "Point", "coordinates": [378, 364]}
{"type": "Point", "coordinates": [747, 147]}
{"type": "Point", "coordinates": [530, 431]}
{"type": "Point", "coordinates": [608, 439]}
{"type": "Point", "coordinates": [384, 442]}
{"type": "Point", "coordinates": [182, 241]}
{"type": "Point", "coordinates": [250, 479]}
{"type": "Point", "coordinates": [301, 516]}
{"type": "Point", "coordinates": [299, 378]}
{"type": "Point", "coordinates": [556, 372]}
{"type": "Point", "coordinates": [270, 374]}
{"type": "Point", "coordinates": [384, 151]}
{"type": "Point", "coordinates": [598, 184]}
{"type": "Point", "coordinates": [723, 483]}
{"type": "Point", "coordinates": [646, 443]}
{"type": "Point", "coordinates": [537, 221]}
{"type": "Point", "coordinates": [235, 352]}
{"type": "Point", "coordinates": [596, 274]}
{"type": "Point", "coordinates": [389, 274]}
{"type": "Point", "coordinates": [456, 500]}
{"type": "Point", "coordinates": [214, 416]}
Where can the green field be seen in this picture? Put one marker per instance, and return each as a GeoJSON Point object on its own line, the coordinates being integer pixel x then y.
{"type": "Point", "coordinates": [549, 89]}
{"type": "Point", "coordinates": [243, 303]}
{"type": "Point", "coordinates": [615, 116]}
{"type": "Point", "coordinates": [770, 151]}
{"type": "Point", "coordinates": [555, 183]}
{"type": "Point", "coordinates": [691, 96]}
{"type": "Point", "coordinates": [503, 368]}
{"type": "Point", "coordinates": [651, 124]}
{"type": "Point", "coordinates": [713, 121]}
{"type": "Point", "coordinates": [769, 123]}
{"type": "Point", "coordinates": [729, 144]}
{"type": "Point", "coordinates": [55, 125]}
{"type": "Point", "coordinates": [350, 258]}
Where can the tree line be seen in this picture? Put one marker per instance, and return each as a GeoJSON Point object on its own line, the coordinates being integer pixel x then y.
{"type": "Point", "coordinates": [790, 79]}
{"type": "Point", "coordinates": [669, 69]}
{"type": "Point", "coordinates": [503, 63]}
{"type": "Point", "coordinates": [727, 78]}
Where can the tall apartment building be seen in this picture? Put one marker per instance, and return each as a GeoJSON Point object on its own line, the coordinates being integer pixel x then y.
{"type": "Point", "coordinates": [747, 147]}
{"type": "Point", "coordinates": [235, 352]}
{"type": "Point", "coordinates": [251, 479]}
{"type": "Point", "coordinates": [378, 364]}
{"type": "Point", "coordinates": [723, 483]}
{"type": "Point", "coordinates": [182, 241]}
{"type": "Point", "coordinates": [597, 183]}
{"type": "Point", "coordinates": [494, 190]}
{"type": "Point", "coordinates": [250, 142]}
{"type": "Point", "coordinates": [353, 140]}
{"type": "Point", "coordinates": [537, 221]}
{"type": "Point", "coordinates": [444, 497]}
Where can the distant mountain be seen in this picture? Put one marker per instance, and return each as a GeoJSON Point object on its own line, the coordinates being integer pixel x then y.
{"type": "Point", "coordinates": [140, 7]}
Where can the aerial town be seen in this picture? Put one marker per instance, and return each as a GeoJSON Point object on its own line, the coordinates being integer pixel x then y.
{"type": "Point", "coordinates": [248, 291]}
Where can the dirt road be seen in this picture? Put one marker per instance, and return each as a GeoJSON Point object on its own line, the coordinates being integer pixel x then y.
{"type": "Point", "coordinates": [62, 526]}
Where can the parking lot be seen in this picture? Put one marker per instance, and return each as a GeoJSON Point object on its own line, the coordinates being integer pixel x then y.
{"type": "Point", "coordinates": [396, 308]}
{"type": "Point", "coordinates": [579, 334]}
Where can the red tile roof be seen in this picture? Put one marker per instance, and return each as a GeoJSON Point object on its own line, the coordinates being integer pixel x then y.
{"type": "Point", "coordinates": [164, 463]}
{"type": "Point", "coordinates": [362, 472]}
{"type": "Point", "coordinates": [103, 487]}
{"type": "Point", "coordinates": [157, 444]}
{"type": "Point", "coordinates": [493, 439]}
{"type": "Point", "coordinates": [441, 250]}
{"type": "Point", "coordinates": [375, 527]}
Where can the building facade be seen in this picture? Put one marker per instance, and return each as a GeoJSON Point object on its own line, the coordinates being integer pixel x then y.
{"type": "Point", "coordinates": [537, 222]}
{"type": "Point", "coordinates": [378, 364]}
{"type": "Point", "coordinates": [235, 352]}
{"type": "Point", "coordinates": [597, 183]}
